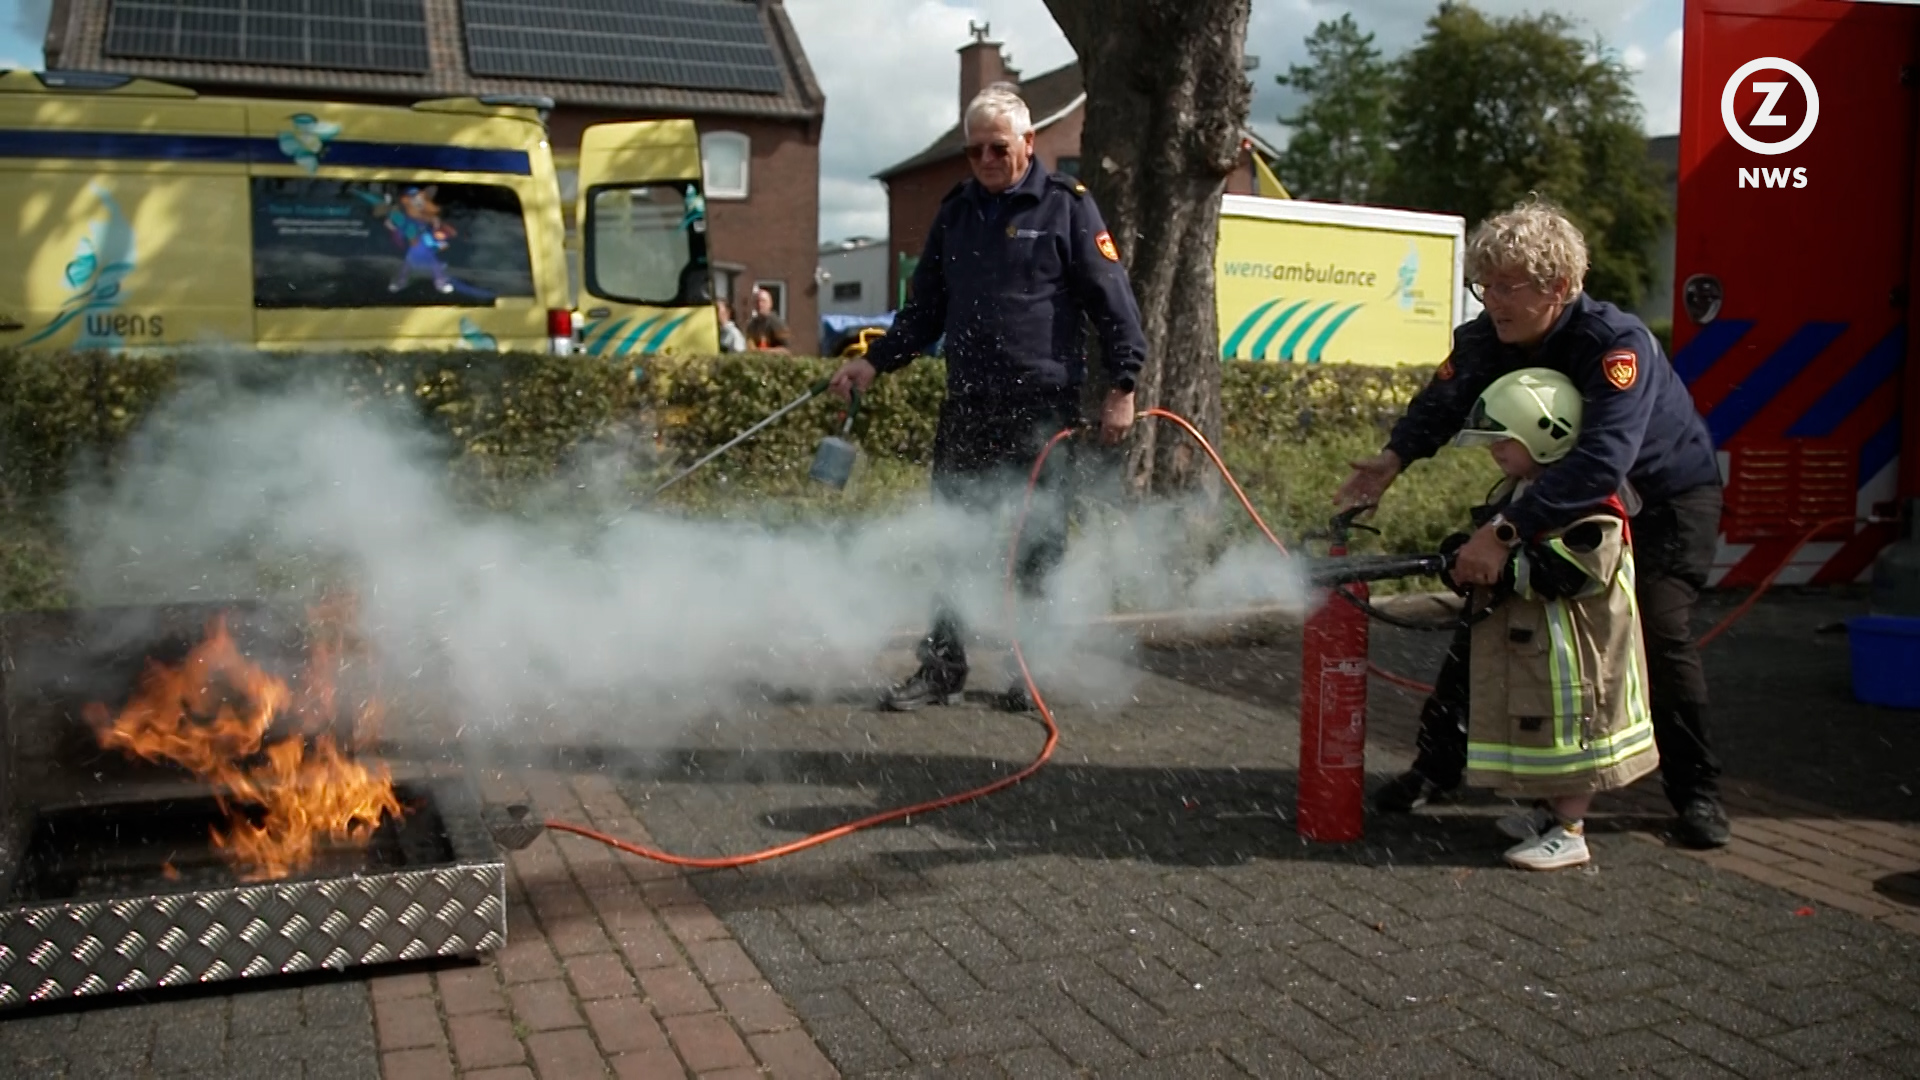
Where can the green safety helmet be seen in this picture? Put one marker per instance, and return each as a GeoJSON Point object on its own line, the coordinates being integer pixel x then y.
{"type": "Point", "coordinates": [1538, 406]}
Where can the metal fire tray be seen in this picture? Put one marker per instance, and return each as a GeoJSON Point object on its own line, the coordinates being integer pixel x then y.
{"type": "Point", "coordinates": [103, 900]}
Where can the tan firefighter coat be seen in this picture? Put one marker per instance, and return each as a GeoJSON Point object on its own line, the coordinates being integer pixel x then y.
{"type": "Point", "coordinates": [1559, 684]}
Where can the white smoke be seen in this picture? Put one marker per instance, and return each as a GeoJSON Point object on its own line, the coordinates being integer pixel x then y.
{"type": "Point", "coordinates": [231, 494]}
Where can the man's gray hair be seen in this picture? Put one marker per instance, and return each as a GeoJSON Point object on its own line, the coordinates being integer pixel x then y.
{"type": "Point", "coordinates": [1001, 100]}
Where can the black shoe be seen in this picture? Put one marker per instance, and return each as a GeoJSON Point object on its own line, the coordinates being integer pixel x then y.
{"type": "Point", "coordinates": [931, 685]}
{"type": "Point", "coordinates": [1703, 824]}
{"type": "Point", "coordinates": [1408, 792]}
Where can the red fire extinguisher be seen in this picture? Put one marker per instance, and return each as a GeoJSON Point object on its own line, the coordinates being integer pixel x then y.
{"type": "Point", "coordinates": [1333, 710]}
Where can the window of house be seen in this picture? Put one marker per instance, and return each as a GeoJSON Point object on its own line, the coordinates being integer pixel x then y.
{"type": "Point", "coordinates": [724, 159]}
{"type": "Point", "coordinates": [359, 244]}
{"type": "Point", "coordinates": [726, 286]}
{"type": "Point", "coordinates": [644, 246]}
{"type": "Point", "coordinates": [846, 291]}
{"type": "Point", "coordinates": [1068, 165]}
{"type": "Point", "coordinates": [778, 290]}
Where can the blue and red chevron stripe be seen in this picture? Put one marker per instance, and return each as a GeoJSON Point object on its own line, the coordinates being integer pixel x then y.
{"type": "Point", "coordinates": [1832, 383]}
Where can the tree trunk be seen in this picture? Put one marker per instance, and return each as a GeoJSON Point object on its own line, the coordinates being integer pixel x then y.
{"type": "Point", "coordinates": [1167, 104]}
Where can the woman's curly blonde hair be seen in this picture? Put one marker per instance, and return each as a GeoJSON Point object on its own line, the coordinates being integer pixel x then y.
{"type": "Point", "coordinates": [1536, 237]}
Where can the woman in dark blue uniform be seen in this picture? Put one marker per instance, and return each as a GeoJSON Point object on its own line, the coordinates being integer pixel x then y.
{"type": "Point", "coordinates": [1641, 435]}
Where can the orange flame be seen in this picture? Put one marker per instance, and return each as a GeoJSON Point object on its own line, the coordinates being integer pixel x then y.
{"type": "Point", "coordinates": [213, 715]}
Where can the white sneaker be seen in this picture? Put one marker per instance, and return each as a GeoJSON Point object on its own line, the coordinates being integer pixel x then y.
{"type": "Point", "coordinates": [1527, 825]}
{"type": "Point", "coordinates": [1553, 850]}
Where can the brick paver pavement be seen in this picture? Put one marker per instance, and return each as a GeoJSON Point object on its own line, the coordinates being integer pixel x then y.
{"type": "Point", "coordinates": [1825, 791]}
{"type": "Point", "coordinates": [614, 966]}
{"type": "Point", "coordinates": [1142, 907]}
{"type": "Point", "coordinates": [284, 1030]}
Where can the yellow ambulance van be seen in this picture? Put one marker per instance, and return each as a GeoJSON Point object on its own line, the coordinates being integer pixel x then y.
{"type": "Point", "coordinates": [145, 216]}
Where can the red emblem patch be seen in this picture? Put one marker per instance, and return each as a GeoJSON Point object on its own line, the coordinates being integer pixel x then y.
{"type": "Point", "coordinates": [1446, 369]}
{"type": "Point", "coordinates": [1104, 242]}
{"type": "Point", "coordinates": [1621, 367]}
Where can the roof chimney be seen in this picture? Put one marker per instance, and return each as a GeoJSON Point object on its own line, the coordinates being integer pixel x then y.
{"type": "Point", "coordinates": [981, 65]}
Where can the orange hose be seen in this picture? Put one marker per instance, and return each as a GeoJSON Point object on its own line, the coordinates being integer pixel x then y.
{"type": "Point", "coordinates": [722, 862]}
{"type": "Point", "coordinates": [1400, 681]}
{"type": "Point", "coordinates": [1188, 427]}
{"type": "Point", "coordinates": [1766, 583]}
{"type": "Point", "coordinates": [1719, 628]}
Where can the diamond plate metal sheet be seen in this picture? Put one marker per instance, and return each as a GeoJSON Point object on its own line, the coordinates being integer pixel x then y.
{"type": "Point", "coordinates": [74, 949]}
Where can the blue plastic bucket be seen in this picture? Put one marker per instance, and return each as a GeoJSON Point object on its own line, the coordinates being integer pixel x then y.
{"type": "Point", "coordinates": [1886, 660]}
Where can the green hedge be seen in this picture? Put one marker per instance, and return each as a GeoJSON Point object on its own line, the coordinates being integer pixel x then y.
{"type": "Point", "coordinates": [507, 423]}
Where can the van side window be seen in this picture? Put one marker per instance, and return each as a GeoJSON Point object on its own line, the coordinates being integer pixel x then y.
{"type": "Point", "coordinates": [647, 244]}
{"type": "Point", "coordinates": [360, 244]}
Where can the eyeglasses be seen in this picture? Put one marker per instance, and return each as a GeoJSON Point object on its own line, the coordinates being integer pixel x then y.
{"type": "Point", "coordinates": [1481, 290]}
{"type": "Point", "coordinates": [996, 151]}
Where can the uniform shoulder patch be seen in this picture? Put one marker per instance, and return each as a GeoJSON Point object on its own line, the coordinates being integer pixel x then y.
{"type": "Point", "coordinates": [1104, 241]}
{"type": "Point", "coordinates": [1621, 367]}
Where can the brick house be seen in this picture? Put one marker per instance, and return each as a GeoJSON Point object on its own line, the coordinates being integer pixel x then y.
{"type": "Point", "coordinates": [1056, 100]}
{"type": "Point", "coordinates": [735, 67]}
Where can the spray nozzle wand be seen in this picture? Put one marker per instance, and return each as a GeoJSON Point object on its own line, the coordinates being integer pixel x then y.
{"type": "Point", "coordinates": [1339, 568]}
{"type": "Point", "coordinates": [813, 391]}
{"type": "Point", "coordinates": [1342, 525]}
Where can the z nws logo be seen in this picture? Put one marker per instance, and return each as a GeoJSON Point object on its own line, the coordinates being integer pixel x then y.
{"type": "Point", "coordinates": [1765, 118]}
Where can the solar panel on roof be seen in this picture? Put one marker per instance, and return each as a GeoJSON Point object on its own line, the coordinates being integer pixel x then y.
{"type": "Point", "coordinates": [687, 44]}
{"type": "Point", "coordinates": [345, 35]}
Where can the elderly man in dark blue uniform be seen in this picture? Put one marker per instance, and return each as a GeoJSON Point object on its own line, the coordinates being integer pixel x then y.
{"type": "Point", "coordinates": [1016, 261]}
{"type": "Point", "coordinates": [1640, 433]}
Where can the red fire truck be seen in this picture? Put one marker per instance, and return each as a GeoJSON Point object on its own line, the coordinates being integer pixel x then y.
{"type": "Point", "coordinates": [1799, 223]}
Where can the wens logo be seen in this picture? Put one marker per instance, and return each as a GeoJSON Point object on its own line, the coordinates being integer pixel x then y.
{"type": "Point", "coordinates": [1765, 121]}
{"type": "Point", "coordinates": [101, 261]}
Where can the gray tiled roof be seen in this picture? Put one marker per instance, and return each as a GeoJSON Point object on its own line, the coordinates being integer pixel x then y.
{"type": "Point", "coordinates": [77, 31]}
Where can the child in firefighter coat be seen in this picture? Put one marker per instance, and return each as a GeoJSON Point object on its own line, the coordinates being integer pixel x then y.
{"type": "Point", "coordinates": [1557, 705]}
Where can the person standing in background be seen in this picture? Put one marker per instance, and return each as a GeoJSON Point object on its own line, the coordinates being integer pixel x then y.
{"type": "Point", "coordinates": [766, 330]}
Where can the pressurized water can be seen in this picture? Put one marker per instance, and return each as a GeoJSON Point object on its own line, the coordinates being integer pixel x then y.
{"type": "Point", "coordinates": [833, 462]}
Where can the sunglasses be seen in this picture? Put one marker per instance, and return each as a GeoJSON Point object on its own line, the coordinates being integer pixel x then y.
{"type": "Point", "coordinates": [996, 151]}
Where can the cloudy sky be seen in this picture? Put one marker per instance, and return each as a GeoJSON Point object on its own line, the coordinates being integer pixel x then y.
{"type": "Point", "coordinates": [890, 93]}
{"type": "Point", "coordinates": [891, 74]}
